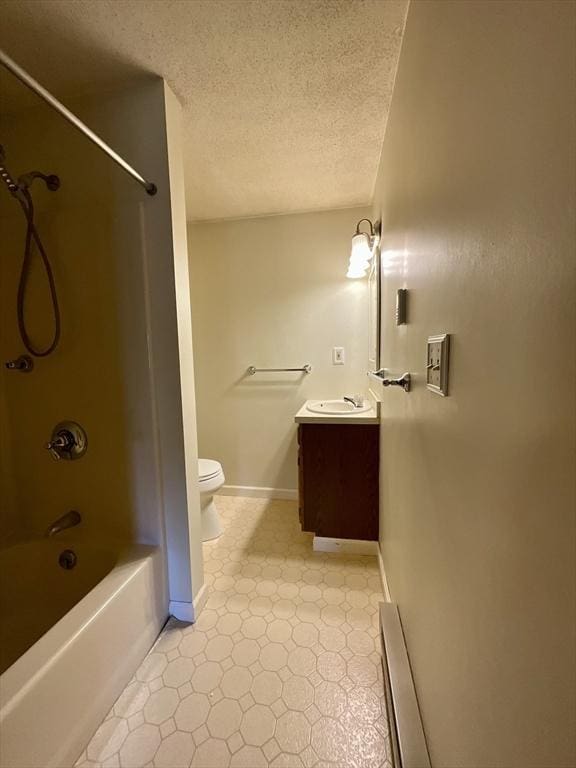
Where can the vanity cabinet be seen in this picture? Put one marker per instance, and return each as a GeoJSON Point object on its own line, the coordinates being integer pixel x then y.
{"type": "Point", "coordinates": [338, 468]}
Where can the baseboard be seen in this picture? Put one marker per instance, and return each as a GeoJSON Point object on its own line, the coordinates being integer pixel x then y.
{"type": "Point", "coordinates": [181, 611]}
{"type": "Point", "coordinates": [257, 492]}
{"type": "Point", "coordinates": [200, 600]}
{"type": "Point", "coordinates": [383, 578]}
{"type": "Point", "coordinates": [346, 546]}
{"type": "Point", "coordinates": [189, 612]}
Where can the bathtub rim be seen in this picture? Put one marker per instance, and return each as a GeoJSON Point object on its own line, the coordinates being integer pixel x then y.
{"type": "Point", "coordinates": [22, 675]}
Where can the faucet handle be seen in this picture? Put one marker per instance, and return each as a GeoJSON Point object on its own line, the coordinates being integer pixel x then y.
{"type": "Point", "coordinates": [54, 447]}
{"type": "Point", "coordinates": [68, 441]}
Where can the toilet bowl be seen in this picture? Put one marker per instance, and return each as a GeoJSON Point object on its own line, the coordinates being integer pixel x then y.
{"type": "Point", "coordinates": [210, 478]}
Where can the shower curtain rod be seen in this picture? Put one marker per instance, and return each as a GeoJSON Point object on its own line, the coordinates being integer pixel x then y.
{"type": "Point", "coordinates": [35, 86]}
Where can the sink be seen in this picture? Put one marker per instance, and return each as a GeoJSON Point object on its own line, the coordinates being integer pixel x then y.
{"type": "Point", "coordinates": [336, 407]}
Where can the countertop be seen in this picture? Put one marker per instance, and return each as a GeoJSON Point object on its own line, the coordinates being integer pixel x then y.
{"type": "Point", "coordinates": [304, 416]}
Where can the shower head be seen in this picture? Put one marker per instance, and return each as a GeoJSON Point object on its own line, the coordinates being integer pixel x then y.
{"type": "Point", "coordinates": [51, 180]}
{"type": "Point", "coordinates": [16, 188]}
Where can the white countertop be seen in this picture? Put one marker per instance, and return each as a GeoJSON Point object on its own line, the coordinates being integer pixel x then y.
{"type": "Point", "coordinates": [304, 416]}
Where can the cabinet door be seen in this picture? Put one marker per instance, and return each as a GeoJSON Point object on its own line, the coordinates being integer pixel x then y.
{"type": "Point", "coordinates": [300, 479]}
{"type": "Point", "coordinates": [339, 467]}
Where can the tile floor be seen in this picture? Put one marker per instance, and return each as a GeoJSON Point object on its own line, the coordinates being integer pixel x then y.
{"type": "Point", "coordinates": [281, 669]}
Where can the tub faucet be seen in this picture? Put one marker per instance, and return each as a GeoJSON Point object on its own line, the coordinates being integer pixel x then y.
{"type": "Point", "coordinates": [357, 400]}
{"type": "Point", "coordinates": [69, 520]}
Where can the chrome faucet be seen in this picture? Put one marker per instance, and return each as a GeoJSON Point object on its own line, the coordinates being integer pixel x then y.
{"type": "Point", "coordinates": [357, 401]}
{"type": "Point", "coordinates": [69, 520]}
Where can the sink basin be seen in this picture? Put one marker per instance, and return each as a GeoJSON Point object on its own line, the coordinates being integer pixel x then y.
{"type": "Point", "coordinates": [336, 407]}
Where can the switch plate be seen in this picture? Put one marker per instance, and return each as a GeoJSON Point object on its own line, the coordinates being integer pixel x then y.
{"type": "Point", "coordinates": [338, 356]}
{"type": "Point", "coordinates": [437, 361]}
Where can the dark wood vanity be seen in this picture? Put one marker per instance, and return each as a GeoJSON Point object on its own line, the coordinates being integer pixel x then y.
{"type": "Point", "coordinates": [338, 480]}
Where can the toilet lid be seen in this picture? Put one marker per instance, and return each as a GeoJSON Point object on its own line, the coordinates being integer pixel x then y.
{"type": "Point", "coordinates": [208, 468]}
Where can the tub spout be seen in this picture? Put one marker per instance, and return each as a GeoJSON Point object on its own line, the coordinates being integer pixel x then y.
{"type": "Point", "coordinates": [69, 520]}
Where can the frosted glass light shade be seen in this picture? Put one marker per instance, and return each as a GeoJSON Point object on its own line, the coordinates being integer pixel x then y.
{"type": "Point", "coordinates": [361, 250]}
{"type": "Point", "coordinates": [355, 271]}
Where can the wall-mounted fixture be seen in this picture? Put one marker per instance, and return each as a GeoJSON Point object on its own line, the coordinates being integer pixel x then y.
{"type": "Point", "coordinates": [68, 441]}
{"type": "Point", "coordinates": [363, 247]}
{"type": "Point", "coordinates": [251, 370]}
{"type": "Point", "coordinates": [437, 360]}
{"type": "Point", "coordinates": [24, 364]}
{"type": "Point", "coordinates": [404, 381]}
{"type": "Point", "coordinates": [401, 306]}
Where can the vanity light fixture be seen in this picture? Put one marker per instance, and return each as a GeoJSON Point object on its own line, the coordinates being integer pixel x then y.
{"type": "Point", "coordinates": [363, 245]}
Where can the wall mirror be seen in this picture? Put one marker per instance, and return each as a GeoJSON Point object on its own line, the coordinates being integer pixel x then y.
{"type": "Point", "coordinates": [374, 301]}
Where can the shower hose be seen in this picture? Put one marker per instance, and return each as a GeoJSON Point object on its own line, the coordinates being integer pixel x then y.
{"type": "Point", "coordinates": [32, 236]}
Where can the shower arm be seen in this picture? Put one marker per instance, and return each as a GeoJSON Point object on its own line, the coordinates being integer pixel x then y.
{"type": "Point", "coordinates": [39, 90]}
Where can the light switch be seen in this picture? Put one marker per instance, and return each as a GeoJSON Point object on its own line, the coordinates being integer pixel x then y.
{"type": "Point", "coordinates": [338, 356]}
{"type": "Point", "coordinates": [437, 361]}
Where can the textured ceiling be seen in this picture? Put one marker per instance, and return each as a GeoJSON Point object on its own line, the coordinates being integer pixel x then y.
{"type": "Point", "coordinates": [285, 101]}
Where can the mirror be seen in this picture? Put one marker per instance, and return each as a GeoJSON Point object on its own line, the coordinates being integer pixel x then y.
{"type": "Point", "coordinates": [374, 313]}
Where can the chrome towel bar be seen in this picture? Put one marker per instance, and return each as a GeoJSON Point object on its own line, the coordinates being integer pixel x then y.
{"type": "Point", "coordinates": [252, 370]}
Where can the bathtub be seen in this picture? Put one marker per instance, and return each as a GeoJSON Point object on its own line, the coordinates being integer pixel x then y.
{"type": "Point", "coordinates": [72, 640]}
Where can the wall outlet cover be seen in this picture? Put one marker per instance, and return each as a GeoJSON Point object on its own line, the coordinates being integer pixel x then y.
{"type": "Point", "coordinates": [338, 356]}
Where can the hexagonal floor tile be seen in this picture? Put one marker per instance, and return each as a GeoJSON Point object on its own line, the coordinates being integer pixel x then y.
{"type": "Point", "coordinates": [236, 682]}
{"type": "Point", "coordinates": [175, 751]}
{"type": "Point", "coordinates": [293, 732]}
{"type": "Point", "coordinates": [206, 677]}
{"type": "Point", "coordinates": [301, 661]}
{"type": "Point", "coordinates": [178, 672]}
{"type": "Point", "coordinates": [266, 687]}
{"type": "Point", "coordinates": [192, 712]}
{"type": "Point", "coordinates": [257, 725]}
{"type": "Point", "coordinates": [297, 693]}
{"type": "Point", "coordinates": [273, 657]}
{"type": "Point", "coordinates": [224, 718]}
{"type": "Point", "coordinates": [331, 666]}
{"type": "Point", "coordinates": [140, 746]}
{"type": "Point", "coordinates": [246, 652]}
{"type": "Point", "coordinates": [218, 648]}
{"type": "Point", "coordinates": [212, 753]}
{"type": "Point", "coordinates": [161, 705]}
{"type": "Point", "coordinates": [192, 644]}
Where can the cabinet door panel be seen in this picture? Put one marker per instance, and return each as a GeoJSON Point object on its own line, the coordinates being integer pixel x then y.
{"type": "Point", "coordinates": [339, 480]}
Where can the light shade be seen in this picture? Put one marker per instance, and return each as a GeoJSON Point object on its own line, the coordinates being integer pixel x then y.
{"type": "Point", "coordinates": [362, 250]}
{"type": "Point", "coordinates": [355, 271]}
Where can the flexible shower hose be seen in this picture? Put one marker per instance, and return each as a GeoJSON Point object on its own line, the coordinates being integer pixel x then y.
{"type": "Point", "coordinates": [25, 200]}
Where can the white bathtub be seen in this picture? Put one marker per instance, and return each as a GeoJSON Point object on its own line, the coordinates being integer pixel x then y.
{"type": "Point", "coordinates": [108, 612]}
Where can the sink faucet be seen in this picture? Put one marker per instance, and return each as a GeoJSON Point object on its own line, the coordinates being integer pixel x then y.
{"type": "Point", "coordinates": [357, 400]}
{"type": "Point", "coordinates": [69, 520]}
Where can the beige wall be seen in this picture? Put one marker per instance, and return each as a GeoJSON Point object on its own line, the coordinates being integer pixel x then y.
{"type": "Point", "coordinates": [476, 190]}
{"type": "Point", "coordinates": [271, 292]}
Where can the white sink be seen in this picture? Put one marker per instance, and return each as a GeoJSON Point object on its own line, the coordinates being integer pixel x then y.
{"type": "Point", "coordinates": [336, 407]}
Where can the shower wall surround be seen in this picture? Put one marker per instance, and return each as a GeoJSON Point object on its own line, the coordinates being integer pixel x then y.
{"type": "Point", "coordinates": [123, 355]}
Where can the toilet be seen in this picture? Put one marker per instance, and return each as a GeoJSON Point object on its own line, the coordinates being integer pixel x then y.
{"type": "Point", "coordinates": [211, 479]}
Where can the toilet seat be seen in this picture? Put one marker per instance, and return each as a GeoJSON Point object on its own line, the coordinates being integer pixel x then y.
{"type": "Point", "coordinates": [208, 469]}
